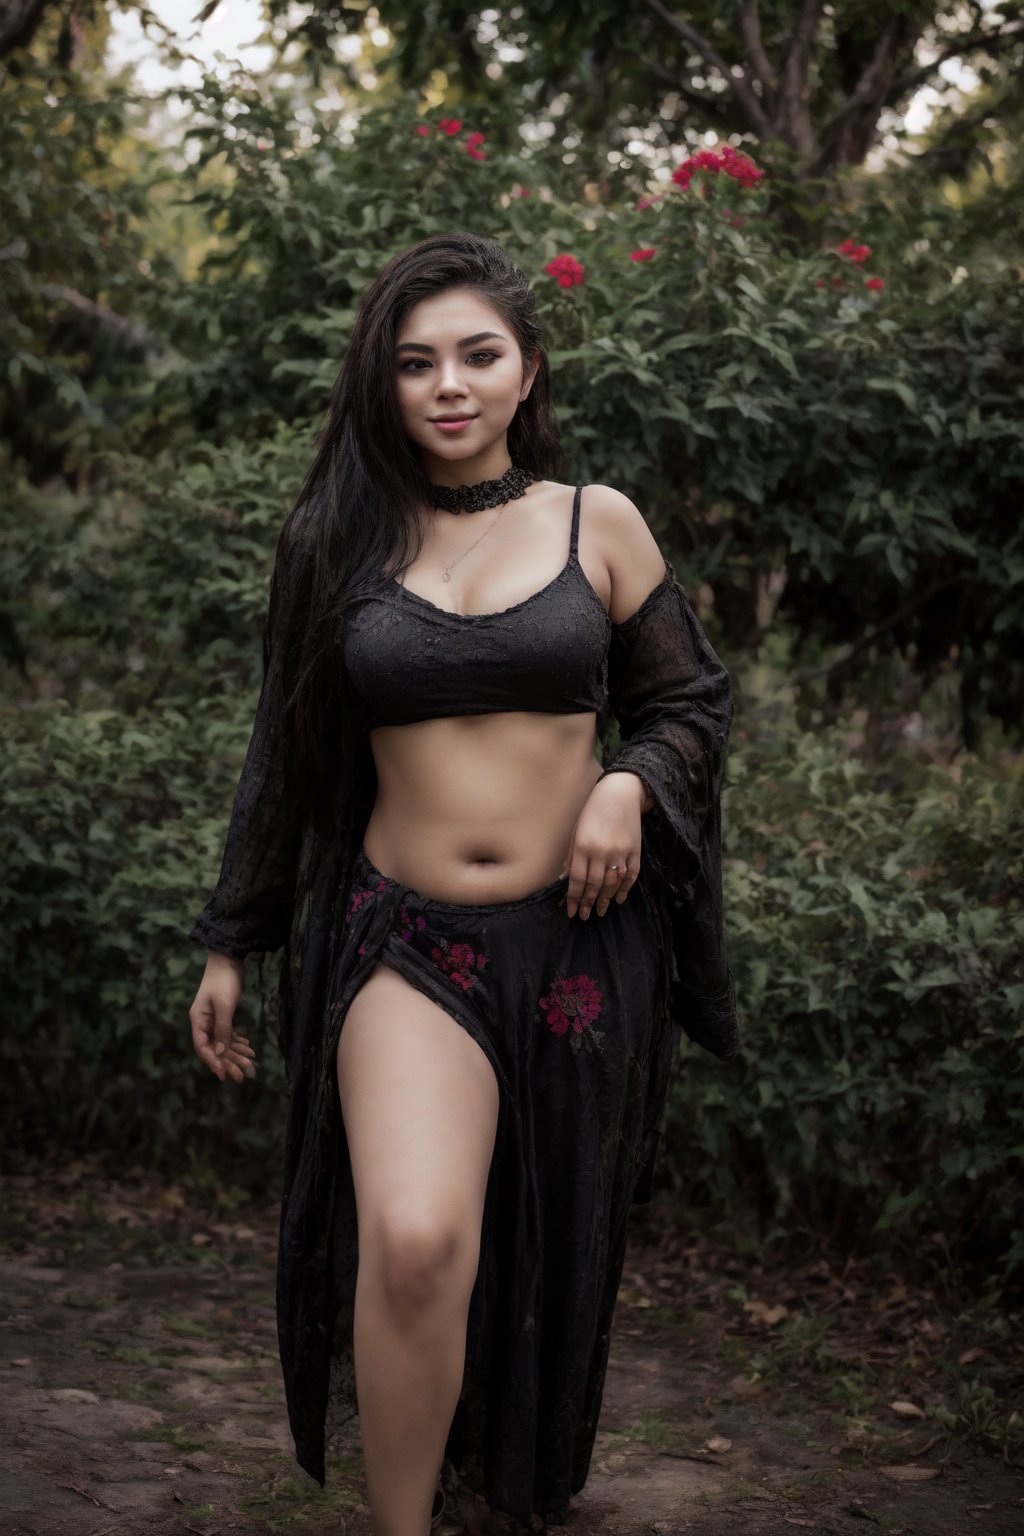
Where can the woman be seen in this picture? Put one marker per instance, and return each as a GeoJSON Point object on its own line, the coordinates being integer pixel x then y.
{"type": "Point", "coordinates": [488, 935]}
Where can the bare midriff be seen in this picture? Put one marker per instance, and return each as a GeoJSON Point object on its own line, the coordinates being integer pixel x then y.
{"type": "Point", "coordinates": [480, 808]}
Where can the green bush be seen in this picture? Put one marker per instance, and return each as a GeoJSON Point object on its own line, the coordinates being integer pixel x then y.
{"type": "Point", "coordinates": [109, 825]}
{"type": "Point", "coordinates": [876, 938]}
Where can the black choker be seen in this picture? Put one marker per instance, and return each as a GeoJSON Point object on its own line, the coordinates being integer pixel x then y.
{"type": "Point", "coordinates": [485, 493]}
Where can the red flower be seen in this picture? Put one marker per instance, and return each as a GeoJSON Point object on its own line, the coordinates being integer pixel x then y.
{"type": "Point", "coordinates": [521, 192]}
{"type": "Point", "coordinates": [727, 161]}
{"type": "Point", "coordinates": [875, 283]}
{"type": "Point", "coordinates": [422, 129]}
{"type": "Point", "coordinates": [853, 251]}
{"type": "Point", "coordinates": [360, 896]}
{"type": "Point", "coordinates": [449, 125]}
{"type": "Point", "coordinates": [406, 924]}
{"type": "Point", "coordinates": [472, 146]}
{"type": "Point", "coordinates": [648, 202]}
{"type": "Point", "coordinates": [566, 269]}
{"type": "Point", "coordinates": [573, 1001]}
{"type": "Point", "coordinates": [644, 254]}
{"type": "Point", "coordinates": [456, 961]}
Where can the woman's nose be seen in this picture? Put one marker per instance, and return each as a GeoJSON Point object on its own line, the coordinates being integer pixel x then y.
{"type": "Point", "coordinates": [450, 378]}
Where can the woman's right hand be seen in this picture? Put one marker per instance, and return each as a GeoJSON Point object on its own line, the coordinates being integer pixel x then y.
{"type": "Point", "coordinates": [212, 1014]}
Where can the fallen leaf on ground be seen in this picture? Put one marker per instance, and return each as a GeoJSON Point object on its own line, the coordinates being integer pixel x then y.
{"type": "Point", "coordinates": [904, 1410]}
{"type": "Point", "coordinates": [760, 1312]}
{"type": "Point", "coordinates": [718, 1443]}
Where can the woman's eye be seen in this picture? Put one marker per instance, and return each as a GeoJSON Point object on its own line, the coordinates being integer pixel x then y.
{"type": "Point", "coordinates": [412, 365]}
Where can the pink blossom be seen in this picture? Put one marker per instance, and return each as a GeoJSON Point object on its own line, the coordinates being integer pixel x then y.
{"type": "Point", "coordinates": [573, 1001]}
{"type": "Point", "coordinates": [422, 129]}
{"type": "Point", "coordinates": [643, 255]}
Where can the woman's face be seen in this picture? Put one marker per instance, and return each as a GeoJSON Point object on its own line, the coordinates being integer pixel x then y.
{"type": "Point", "coordinates": [456, 357]}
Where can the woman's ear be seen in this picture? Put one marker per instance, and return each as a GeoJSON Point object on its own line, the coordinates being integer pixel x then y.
{"type": "Point", "coordinates": [529, 374]}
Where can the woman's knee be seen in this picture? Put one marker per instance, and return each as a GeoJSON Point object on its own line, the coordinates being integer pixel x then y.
{"type": "Point", "coordinates": [419, 1260]}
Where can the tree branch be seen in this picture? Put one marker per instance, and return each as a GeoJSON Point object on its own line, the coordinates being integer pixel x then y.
{"type": "Point", "coordinates": [738, 84]}
{"type": "Point", "coordinates": [109, 319]}
{"type": "Point", "coordinates": [871, 634]}
{"type": "Point", "coordinates": [18, 22]}
{"type": "Point", "coordinates": [922, 73]}
{"type": "Point", "coordinates": [758, 58]}
{"type": "Point", "coordinates": [711, 103]}
{"type": "Point", "coordinates": [845, 136]}
{"type": "Point", "coordinates": [793, 115]}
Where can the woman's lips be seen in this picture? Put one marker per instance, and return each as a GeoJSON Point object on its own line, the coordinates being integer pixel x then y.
{"type": "Point", "coordinates": [454, 426]}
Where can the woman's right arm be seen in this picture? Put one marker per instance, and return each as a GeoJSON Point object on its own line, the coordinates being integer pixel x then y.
{"type": "Point", "coordinates": [251, 905]}
{"type": "Point", "coordinates": [250, 908]}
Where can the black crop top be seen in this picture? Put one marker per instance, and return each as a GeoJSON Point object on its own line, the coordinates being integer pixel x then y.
{"type": "Point", "coordinates": [410, 660]}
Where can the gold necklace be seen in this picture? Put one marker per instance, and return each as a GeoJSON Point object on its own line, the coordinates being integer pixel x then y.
{"type": "Point", "coordinates": [449, 568]}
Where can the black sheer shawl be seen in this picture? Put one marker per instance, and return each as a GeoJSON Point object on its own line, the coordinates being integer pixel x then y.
{"type": "Point", "coordinates": [284, 883]}
{"type": "Point", "coordinates": [672, 699]}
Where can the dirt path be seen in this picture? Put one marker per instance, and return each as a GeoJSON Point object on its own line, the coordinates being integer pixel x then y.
{"type": "Point", "coordinates": [141, 1387]}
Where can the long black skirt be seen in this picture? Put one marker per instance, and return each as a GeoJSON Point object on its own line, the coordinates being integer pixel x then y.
{"type": "Point", "coordinates": [572, 1015]}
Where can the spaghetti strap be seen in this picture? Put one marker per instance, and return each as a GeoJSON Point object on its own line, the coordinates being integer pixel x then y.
{"type": "Point", "coordinates": [574, 537]}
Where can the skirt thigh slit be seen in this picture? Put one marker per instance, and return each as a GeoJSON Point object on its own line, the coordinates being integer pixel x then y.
{"type": "Point", "coordinates": [569, 1014]}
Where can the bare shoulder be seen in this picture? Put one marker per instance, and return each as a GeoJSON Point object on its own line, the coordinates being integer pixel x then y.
{"type": "Point", "coordinates": [635, 562]}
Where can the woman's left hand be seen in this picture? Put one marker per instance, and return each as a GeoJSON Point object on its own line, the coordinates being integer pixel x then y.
{"type": "Point", "coordinates": [607, 832]}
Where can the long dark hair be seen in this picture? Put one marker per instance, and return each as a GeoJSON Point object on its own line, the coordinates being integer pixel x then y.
{"type": "Point", "coordinates": [355, 515]}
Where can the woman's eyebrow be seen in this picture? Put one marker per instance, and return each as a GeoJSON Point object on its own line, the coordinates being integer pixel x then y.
{"type": "Point", "coordinates": [467, 341]}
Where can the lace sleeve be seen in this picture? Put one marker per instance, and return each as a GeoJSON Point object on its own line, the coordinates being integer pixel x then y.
{"type": "Point", "coordinates": [251, 905]}
{"type": "Point", "coordinates": [672, 698]}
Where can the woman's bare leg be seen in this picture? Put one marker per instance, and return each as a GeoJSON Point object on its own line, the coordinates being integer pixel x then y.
{"type": "Point", "coordinates": [419, 1099]}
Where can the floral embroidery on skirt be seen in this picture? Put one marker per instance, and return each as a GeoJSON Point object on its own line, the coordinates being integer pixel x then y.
{"type": "Point", "coordinates": [571, 1006]}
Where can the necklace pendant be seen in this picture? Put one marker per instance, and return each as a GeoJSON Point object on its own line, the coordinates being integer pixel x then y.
{"type": "Point", "coordinates": [447, 575]}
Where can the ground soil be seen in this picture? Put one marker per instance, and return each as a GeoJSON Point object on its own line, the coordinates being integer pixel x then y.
{"type": "Point", "coordinates": [142, 1392]}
